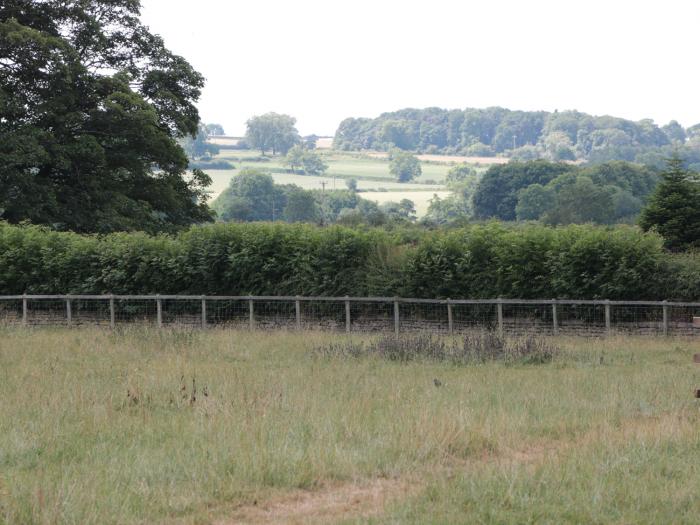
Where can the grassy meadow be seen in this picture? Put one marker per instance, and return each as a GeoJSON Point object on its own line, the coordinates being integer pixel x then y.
{"type": "Point", "coordinates": [147, 426]}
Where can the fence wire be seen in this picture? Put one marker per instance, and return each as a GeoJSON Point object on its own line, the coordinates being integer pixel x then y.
{"type": "Point", "coordinates": [229, 313]}
{"type": "Point", "coordinates": [371, 316]}
{"type": "Point", "coordinates": [135, 311]}
{"type": "Point", "coordinates": [11, 311]}
{"type": "Point", "coordinates": [581, 319]}
{"type": "Point", "coordinates": [474, 316]}
{"type": "Point", "coordinates": [356, 314]}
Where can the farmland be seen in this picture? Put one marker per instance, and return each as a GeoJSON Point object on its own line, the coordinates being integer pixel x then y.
{"type": "Point", "coordinates": [192, 427]}
{"type": "Point", "coordinates": [371, 172]}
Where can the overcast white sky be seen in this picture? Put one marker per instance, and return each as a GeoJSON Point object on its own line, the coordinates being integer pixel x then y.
{"type": "Point", "coordinates": [324, 60]}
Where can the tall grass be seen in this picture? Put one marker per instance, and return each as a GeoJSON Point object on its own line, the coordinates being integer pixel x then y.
{"type": "Point", "coordinates": [145, 426]}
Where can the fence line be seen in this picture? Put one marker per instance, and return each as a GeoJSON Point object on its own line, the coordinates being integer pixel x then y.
{"type": "Point", "coordinates": [360, 314]}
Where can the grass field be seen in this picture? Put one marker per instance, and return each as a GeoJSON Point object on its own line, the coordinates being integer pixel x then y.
{"type": "Point", "coordinates": [372, 174]}
{"type": "Point", "coordinates": [221, 179]}
{"type": "Point", "coordinates": [142, 426]}
{"type": "Point", "coordinates": [343, 165]}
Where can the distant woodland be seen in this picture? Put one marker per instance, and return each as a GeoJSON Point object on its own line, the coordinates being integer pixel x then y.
{"type": "Point", "coordinates": [523, 135]}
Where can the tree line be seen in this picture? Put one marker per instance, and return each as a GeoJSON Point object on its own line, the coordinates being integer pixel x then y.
{"type": "Point", "coordinates": [524, 135]}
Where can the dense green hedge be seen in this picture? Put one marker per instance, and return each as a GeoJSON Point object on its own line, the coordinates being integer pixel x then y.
{"type": "Point", "coordinates": [526, 261]}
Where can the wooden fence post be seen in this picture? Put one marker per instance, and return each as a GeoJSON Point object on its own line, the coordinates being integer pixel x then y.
{"type": "Point", "coordinates": [204, 312]}
{"type": "Point", "coordinates": [499, 310]}
{"type": "Point", "coordinates": [24, 310]}
{"type": "Point", "coordinates": [251, 314]}
{"type": "Point", "coordinates": [297, 309]}
{"type": "Point", "coordinates": [555, 318]}
{"type": "Point", "coordinates": [450, 324]}
{"type": "Point", "coordinates": [397, 319]}
{"type": "Point", "coordinates": [347, 314]}
{"type": "Point", "coordinates": [665, 313]}
{"type": "Point", "coordinates": [159, 311]}
{"type": "Point", "coordinates": [111, 311]}
{"type": "Point", "coordinates": [69, 311]}
{"type": "Point", "coordinates": [608, 322]}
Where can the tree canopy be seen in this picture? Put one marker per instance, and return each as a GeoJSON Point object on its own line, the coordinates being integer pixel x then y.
{"type": "Point", "coordinates": [558, 193]}
{"type": "Point", "coordinates": [404, 166]}
{"type": "Point", "coordinates": [523, 135]}
{"type": "Point", "coordinates": [301, 159]}
{"type": "Point", "coordinates": [674, 208]}
{"type": "Point", "coordinates": [497, 193]}
{"type": "Point", "coordinates": [272, 132]}
{"type": "Point", "coordinates": [91, 106]}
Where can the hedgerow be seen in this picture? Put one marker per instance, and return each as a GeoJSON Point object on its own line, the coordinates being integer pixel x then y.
{"type": "Point", "coordinates": [481, 261]}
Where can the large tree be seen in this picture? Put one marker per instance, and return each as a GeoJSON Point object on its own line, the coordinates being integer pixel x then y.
{"type": "Point", "coordinates": [272, 131]}
{"type": "Point", "coordinates": [252, 195]}
{"type": "Point", "coordinates": [91, 107]}
{"type": "Point", "coordinates": [404, 166]}
{"type": "Point", "coordinates": [674, 208]}
{"type": "Point", "coordinates": [496, 195]}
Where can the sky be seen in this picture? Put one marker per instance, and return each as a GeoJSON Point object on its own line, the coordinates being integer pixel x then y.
{"type": "Point", "coordinates": [325, 60]}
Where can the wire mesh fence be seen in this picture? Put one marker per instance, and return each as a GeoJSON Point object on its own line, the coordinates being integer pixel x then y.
{"type": "Point", "coordinates": [355, 314]}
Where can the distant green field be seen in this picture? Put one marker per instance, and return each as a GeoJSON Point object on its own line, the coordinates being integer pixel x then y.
{"type": "Point", "coordinates": [341, 164]}
{"type": "Point", "coordinates": [372, 174]}
{"type": "Point", "coordinates": [359, 167]}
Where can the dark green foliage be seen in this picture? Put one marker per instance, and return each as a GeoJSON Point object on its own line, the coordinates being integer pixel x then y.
{"type": "Point", "coordinates": [674, 208]}
{"type": "Point", "coordinates": [252, 195]}
{"type": "Point", "coordinates": [91, 106]}
{"type": "Point", "coordinates": [282, 259]}
{"type": "Point", "coordinates": [496, 195]}
{"type": "Point", "coordinates": [606, 193]}
{"type": "Point", "coordinates": [578, 200]}
{"type": "Point", "coordinates": [535, 262]}
{"type": "Point", "coordinates": [301, 206]}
